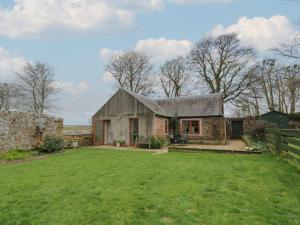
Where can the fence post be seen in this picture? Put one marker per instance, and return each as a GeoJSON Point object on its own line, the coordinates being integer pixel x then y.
{"type": "Point", "coordinates": [277, 137]}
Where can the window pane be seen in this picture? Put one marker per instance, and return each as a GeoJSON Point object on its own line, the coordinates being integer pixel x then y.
{"type": "Point", "coordinates": [185, 126]}
{"type": "Point", "coordinates": [194, 127]}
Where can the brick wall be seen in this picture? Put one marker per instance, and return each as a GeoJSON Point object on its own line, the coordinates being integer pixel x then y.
{"type": "Point", "coordinates": [19, 129]}
{"type": "Point", "coordinates": [159, 126]}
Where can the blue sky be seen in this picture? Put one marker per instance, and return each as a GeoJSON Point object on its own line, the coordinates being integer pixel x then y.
{"type": "Point", "coordinates": [77, 37]}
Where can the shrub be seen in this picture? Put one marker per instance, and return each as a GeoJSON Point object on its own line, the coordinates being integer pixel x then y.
{"type": "Point", "coordinates": [121, 142]}
{"type": "Point", "coordinates": [154, 143]}
{"type": "Point", "coordinates": [257, 132]}
{"type": "Point", "coordinates": [158, 142]}
{"type": "Point", "coordinates": [51, 144]}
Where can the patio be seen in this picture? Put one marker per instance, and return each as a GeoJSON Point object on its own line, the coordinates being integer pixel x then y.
{"type": "Point", "coordinates": [233, 146]}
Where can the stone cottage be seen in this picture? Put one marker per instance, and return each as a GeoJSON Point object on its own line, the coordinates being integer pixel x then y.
{"type": "Point", "coordinates": [133, 118]}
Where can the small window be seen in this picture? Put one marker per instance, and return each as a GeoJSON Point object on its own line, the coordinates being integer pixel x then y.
{"type": "Point", "coordinates": [166, 126]}
{"type": "Point", "coordinates": [190, 127]}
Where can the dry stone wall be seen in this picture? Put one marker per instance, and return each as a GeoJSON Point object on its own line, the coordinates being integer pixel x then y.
{"type": "Point", "coordinates": [20, 130]}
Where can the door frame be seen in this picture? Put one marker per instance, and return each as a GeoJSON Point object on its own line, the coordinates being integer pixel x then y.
{"type": "Point", "coordinates": [241, 130]}
{"type": "Point", "coordinates": [130, 129]}
{"type": "Point", "coordinates": [102, 132]}
{"type": "Point", "coordinates": [106, 132]}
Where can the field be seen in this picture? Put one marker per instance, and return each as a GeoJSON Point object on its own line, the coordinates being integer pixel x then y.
{"type": "Point", "coordinates": [71, 129]}
{"type": "Point", "coordinates": [92, 186]}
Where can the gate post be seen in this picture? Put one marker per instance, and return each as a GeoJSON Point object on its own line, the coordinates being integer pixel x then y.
{"type": "Point", "coordinates": [277, 137]}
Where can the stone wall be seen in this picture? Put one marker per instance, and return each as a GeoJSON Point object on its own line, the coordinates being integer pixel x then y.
{"type": "Point", "coordinates": [77, 139]}
{"type": "Point", "coordinates": [213, 131]}
{"type": "Point", "coordinates": [19, 130]}
{"type": "Point", "coordinates": [248, 124]}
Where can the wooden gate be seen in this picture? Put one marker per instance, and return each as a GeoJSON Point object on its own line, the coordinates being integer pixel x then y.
{"type": "Point", "coordinates": [98, 132]}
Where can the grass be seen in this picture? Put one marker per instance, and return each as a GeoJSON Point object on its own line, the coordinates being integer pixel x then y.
{"type": "Point", "coordinates": [15, 155]}
{"type": "Point", "coordinates": [90, 186]}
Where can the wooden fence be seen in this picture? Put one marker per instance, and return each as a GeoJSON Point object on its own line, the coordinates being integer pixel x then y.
{"type": "Point", "coordinates": [285, 142]}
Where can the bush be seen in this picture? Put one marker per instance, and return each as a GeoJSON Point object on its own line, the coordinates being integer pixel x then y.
{"type": "Point", "coordinates": [154, 143]}
{"type": "Point", "coordinates": [158, 142]}
{"type": "Point", "coordinates": [257, 133]}
{"type": "Point", "coordinates": [51, 144]}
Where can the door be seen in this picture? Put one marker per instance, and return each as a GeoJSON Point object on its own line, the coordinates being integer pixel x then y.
{"type": "Point", "coordinates": [107, 132]}
{"type": "Point", "coordinates": [99, 132]}
{"type": "Point", "coordinates": [237, 129]}
{"type": "Point", "coordinates": [133, 131]}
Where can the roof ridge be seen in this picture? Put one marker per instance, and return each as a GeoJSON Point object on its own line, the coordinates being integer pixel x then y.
{"type": "Point", "coordinates": [190, 96]}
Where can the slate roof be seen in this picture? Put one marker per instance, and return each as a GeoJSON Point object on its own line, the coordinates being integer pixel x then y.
{"type": "Point", "coordinates": [193, 106]}
{"type": "Point", "coordinates": [188, 106]}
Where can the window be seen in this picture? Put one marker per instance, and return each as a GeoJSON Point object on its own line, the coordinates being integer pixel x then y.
{"type": "Point", "coordinates": [190, 127]}
{"type": "Point", "coordinates": [166, 126]}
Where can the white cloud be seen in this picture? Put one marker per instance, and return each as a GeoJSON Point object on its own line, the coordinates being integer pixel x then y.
{"type": "Point", "coordinates": [163, 49]}
{"type": "Point", "coordinates": [27, 17]}
{"type": "Point", "coordinates": [160, 49]}
{"type": "Point", "coordinates": [263, 33]}
{"type": "Point", "coordinates": [106, 54]}
{"type": "Point", "coordinates": [107, 76]}
{"type": "Point", "coordinates": [9, 64]}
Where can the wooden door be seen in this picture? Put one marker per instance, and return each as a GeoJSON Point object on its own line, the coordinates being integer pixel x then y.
{"type": "Point", "coordinates": [133, 131]}
{"type": "Point", "coordinates": [237, 129]}
{"type": "Point", "coordinates": [107, 132]}
{"type": "Point", "coordinates": [99, 132]}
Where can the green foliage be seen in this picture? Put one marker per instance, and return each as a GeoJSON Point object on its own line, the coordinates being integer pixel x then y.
{"type": "Point", "coordinates": [154, 143]}
{"type": "Point", "coordinates": [121, 142]}
{"type": "Point", "coordinates": [145, 188]}
{"type": "Point", "coordinates": [51, 144]}
{"type": "Point", "coordinates": [16, 154]}
{"type": "Point", "coordinates": [175, 126]}
{"type": "Point", "coordinates": [158, 142]}
{"type": "Point", "coordinates": [254, 144]}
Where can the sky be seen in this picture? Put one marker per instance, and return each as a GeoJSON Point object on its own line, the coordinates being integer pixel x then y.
{"type": "Point", "coordinates": [79, 37]}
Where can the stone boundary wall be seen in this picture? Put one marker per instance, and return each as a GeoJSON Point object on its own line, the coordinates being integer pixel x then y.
{"type": "Point", "coordinates": [77, 139]}
{"type": "Point", "coordinates": [22, 130]}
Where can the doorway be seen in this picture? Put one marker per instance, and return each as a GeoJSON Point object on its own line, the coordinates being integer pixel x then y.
{"type": "Point", "coordinates": [133, 131]}
{"type": "Point", "coordinates": [107, 132]}
{"type": "Point", "coordinates": [98, 132]}
{"type": "Point", "coordinates": [237, 129]}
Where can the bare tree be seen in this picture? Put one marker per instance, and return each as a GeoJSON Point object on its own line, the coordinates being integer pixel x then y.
{"type": "Point", "coordinates": [174, 75]}
{"type": "Point", "coordinates": [132, 70]}
{"type": "Point", "coordinates": [38, 86]}
{"type": "Point", "coordinates": [222, 63]}
{"type": "Point", "coordinates": [273, 86]}
{"type": "Point", "coordinates": [249, 103]}
{"type": "Point", "coordinates": [291, 49]}
{"type": "Point", "coordinates": [292, 85]}
{"type": "Point", "coordinates": [8, 96]}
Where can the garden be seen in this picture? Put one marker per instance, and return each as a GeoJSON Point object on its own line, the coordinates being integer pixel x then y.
{"type": "Point", "coordinates": [93, 186]}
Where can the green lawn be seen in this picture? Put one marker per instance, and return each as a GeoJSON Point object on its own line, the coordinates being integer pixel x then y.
{"type": "Point", "coordinates": [89, 186]}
